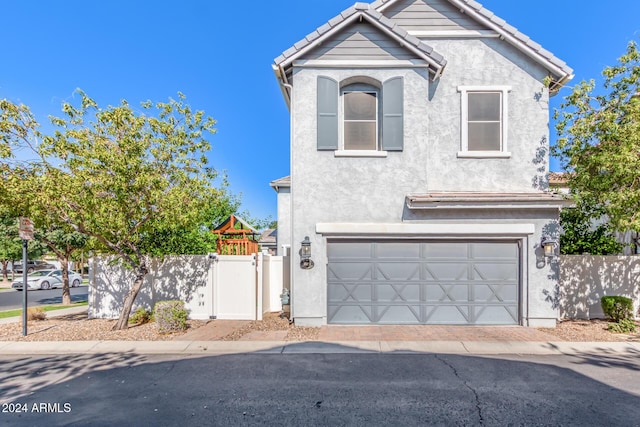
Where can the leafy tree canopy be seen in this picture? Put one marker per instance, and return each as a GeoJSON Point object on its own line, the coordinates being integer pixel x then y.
{"type": "Point", "coordinates": [135, 180]}
{"type": "Point", "coordinates": [599, 142]}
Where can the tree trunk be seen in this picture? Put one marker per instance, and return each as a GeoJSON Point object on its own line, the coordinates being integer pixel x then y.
{"type": "Point", "coordinates": [123, 320]}
{"type": "Point", "coordinates": [66, 292]}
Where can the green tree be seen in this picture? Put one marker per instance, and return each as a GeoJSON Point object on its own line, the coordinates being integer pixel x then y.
{"type": "Point", "coordinates": [122, 175]}
{"type": "Point", "coordinates": [63, 243]}
{"type": "Point", "coordinates": [11, 244]}
{"type": "Point", "coordinates": [599, 142]}
{"type": "Point", "coordinates": [581, 234]}
{"type": "Point", "coordinates": [198, 239]}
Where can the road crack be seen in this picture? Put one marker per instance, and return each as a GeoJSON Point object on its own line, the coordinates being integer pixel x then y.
{"type": "Point", "coordinates": [466, 384]}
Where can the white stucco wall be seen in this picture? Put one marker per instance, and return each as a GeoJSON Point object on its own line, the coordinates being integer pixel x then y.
{"type": "Point", "coordinates": [330, 189]}
{"type": "Point", "coordinates": [284, 220]}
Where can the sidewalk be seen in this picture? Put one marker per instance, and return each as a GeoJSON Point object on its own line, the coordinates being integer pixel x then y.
{"type": "Point", "coordinates": [477, 340]}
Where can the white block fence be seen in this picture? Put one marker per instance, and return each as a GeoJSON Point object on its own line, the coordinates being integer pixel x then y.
{"type": "Point", "coordinates": [222, 287]}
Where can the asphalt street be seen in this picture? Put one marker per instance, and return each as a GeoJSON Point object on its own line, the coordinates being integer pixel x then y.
{"type": "Point", "coordinates": [12, 299]}
{"type": "Point", "coordinates": [319, 389]}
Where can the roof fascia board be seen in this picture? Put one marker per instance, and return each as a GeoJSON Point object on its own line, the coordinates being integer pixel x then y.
{"type": "Point", "coordinates": [280, 76]}
{"type": "Point", "coordinates": [337, 63]}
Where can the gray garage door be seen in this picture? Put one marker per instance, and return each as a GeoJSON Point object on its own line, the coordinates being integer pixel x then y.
{"type": "Point", "coordinates": [423, 282]}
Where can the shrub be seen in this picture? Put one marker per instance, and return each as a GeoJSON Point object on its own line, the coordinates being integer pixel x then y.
{"type": "Point", "coordinates": [170, 316]}
{"type": "Point", "coordinates": [624, 326]}
{"type": "Point", "coordinates": [140, 316]}
{"type": "Point", "coordinates": [36, 313]}
{"type": "Point", "coordinates": [617, 308]}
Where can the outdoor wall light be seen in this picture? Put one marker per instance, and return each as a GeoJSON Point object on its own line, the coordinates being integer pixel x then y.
{"type": "Point", "coordinates": [305, 254]}
{"type": "Point", "coordinates": [549, 245]}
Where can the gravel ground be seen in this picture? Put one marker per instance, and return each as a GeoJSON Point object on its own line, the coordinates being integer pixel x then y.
{"type": "Point", "coordinates": [78, 328]}
{"type": "Point", "coordinates": [589, 330]}
{"type": "Point", "coordinates": [273, 322]}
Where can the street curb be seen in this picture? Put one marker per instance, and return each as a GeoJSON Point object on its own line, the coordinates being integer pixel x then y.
{"type": "Point", "coordinates": [478, 348]}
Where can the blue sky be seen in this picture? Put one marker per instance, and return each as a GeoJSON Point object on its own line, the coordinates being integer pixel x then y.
{"type": "Point", "coordinates": [220, 53]}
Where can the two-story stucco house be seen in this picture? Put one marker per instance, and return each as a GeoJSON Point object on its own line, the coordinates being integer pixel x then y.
{"type": "Point", "coordinates": [419, 162]}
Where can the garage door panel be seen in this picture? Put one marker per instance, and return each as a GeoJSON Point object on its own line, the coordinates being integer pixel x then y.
{"type": "Point", "coordinates": [398, 292]}
{"type": "Point", "coordinates": [347, 250]}
{"type": "Point", "coordinates": [350, 271]}
{"type": "Point", "coordinates": [495, 293]}
{"type": "Point", "coordinates": [449, 250]}
{"type": "Point", "coordinates": [395, 314]}
{"type": "Point", "coordinates": [398, 271]}
{"type": "Point", "coordinates": [351, 314]}
{"type": "Point", "coordinates": [448, 314]}
{"type": "Point", "coordinates": [423, 282]}
{"type": "Point", "coordinates": [446, 292]}
{"type": "Point", "coordinates": [350, 292]}
{"type": "Point", "coordinates": [446, 271]}
{"type": "Point", "coordinates": [397, 250]}
{"type": "Point", "coordinates": [494, 250]}
{"type": "Point", "coordinates": [495, 271]}
{"type": "Point", "coordinates": [497, 315]}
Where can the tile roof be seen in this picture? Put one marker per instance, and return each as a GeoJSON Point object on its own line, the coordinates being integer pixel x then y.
{"type": "Point", "coordinates": [482, 200]}
{"type": "Point", "coordinates": [268, 236]}
{"type": "Point", "coordinates": [561, 72]}
{"type": "Point", "coordinates": [284, 182]}
{"type": "Point", "coordinates": [558, 178]}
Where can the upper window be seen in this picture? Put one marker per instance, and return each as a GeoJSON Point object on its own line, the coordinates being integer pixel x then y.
{"type": "Point", "coordinates": [484, 121]}
{"type": "Point", "coordinates": [360, 120]}
{"type": "Point", "coordinates": [358, 117]}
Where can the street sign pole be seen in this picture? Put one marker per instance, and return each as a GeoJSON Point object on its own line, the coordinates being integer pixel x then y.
{"type": "Point", "coordinates": [25, 287]}
{"type": "Point", "coordinates": [25, 230]}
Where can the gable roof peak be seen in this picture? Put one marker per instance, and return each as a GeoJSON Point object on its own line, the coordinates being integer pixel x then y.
{"type": "Point", "coordinates": [561, 72]}
{"type": "Point", "coordinates": [369, 13]}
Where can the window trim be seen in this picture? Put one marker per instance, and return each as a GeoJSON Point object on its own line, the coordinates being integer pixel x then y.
{"type": "Point", "coordinates": [464, 121]}
{"type": "Point", "coordinates": [360, 153]}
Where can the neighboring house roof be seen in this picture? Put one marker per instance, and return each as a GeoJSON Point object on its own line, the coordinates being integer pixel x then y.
{"type": "Point", "coordinates": [558, 179]}
{"type": "Point", "coordinates": [268, 237]}
{"type": "Point", "coordinates": [372, 13]}
{"type": "Point", "coordinates": [284, 182]}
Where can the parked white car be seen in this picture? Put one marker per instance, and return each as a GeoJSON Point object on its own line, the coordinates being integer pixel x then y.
{"type": "Point", "coordinates": [47, 279]}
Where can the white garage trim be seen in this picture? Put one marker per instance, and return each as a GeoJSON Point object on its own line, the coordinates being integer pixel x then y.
{"type": "Point", "coordinates": [468, 230]}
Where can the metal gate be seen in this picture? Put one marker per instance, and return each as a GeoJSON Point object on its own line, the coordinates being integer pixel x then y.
{"type": "Point", "coordinates": [423, 282]}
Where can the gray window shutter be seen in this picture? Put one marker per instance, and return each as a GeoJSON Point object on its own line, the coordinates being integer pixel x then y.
{"type": "Point", "coordinates": [327, 113]}
{"type": "Point", "coordinates": [392, 114]}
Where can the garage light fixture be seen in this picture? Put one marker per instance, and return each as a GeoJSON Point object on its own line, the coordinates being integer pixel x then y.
{"type": "Point", "coordinates": [305, 254]}
{"type": "Point", "coordinates": [549, 245]}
